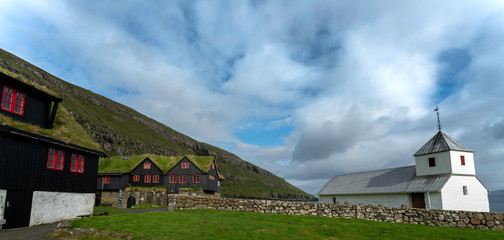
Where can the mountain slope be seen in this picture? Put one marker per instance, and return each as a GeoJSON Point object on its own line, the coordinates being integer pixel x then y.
{"type": "Point", "coordinates": [122, 130]}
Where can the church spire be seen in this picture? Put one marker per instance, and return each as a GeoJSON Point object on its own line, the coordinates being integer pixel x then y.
{"type": "Point", "coordinates": [438, 121]}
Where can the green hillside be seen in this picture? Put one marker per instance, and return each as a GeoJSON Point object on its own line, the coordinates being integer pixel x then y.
{"type": "Point", "coordinates": [121, 130]}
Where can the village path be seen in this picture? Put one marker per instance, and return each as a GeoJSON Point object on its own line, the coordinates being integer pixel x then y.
{"type": "Point", "coordinates": [40, 232]}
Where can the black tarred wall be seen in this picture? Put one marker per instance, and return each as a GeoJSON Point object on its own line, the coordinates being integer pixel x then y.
{"type": "Point", "coordinates": [23, 167]}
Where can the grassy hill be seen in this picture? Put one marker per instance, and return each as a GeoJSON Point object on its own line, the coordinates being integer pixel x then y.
{"type": "Point", "coordinates": [124, 131]}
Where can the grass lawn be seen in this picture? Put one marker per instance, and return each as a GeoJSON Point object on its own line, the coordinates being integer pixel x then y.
{"type": "Point", "coordinates": [213, 224]}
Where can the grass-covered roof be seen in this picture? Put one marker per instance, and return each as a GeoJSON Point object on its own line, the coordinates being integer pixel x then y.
{"type": "Point", "coordinates": [65, 128]}
{"type": "Point", "coordinates": [120, 164]}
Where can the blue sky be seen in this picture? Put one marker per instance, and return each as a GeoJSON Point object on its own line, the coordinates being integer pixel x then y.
{"type": "Point", "coordinates": [304, 89]}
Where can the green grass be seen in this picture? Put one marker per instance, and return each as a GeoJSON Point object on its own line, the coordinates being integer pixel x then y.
{"type": "Point", "coordinates": [213, 224]}
{"type": "Point", "coordinates": [117, 163]}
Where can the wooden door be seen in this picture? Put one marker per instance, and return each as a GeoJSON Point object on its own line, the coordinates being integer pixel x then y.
{"type": "Point", "coordinates": [18, 208]}
{"type": "Point", "coordinates": [418, 200]}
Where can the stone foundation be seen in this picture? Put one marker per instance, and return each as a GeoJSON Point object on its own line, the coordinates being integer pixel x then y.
{"type": "Point", "coordinates": [155, 196]}
{"type": "Point", "coordinates": [480, 220]}
{"type": "Point", "coordinates": [109, 198]}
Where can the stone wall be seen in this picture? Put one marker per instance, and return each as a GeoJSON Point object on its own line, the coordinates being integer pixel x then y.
{"type": "Point", "coordinates": [480, 220]}
{"type": "Point", "coordinates": [156, 196]}
{"type": "Point", "coordinates": [109, 198]}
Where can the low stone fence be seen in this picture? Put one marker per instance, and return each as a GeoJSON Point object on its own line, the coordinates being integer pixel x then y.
{"type": "Point", "coordinates": [448, 218]}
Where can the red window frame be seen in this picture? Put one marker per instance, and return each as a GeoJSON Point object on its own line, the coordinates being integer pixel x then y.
{"type": "Point", "coordinates": [13, 100]}
{"type": "Point", "coordinates": [184, 165]}
{"type": "Point", "coordinates": [136, 178]}
{"type": "Point", "coordinates": [182, 178]}
{"type": "Point", "coordinates": [77, 163]}
{"type": "Point", "coordinates": [211, 177]}
{"type": "Point", "coordinates": [147, 165]}
{"type": "Point", "coordinates": [173, 178]}
{"type": "Point", "coordinates": [213, 166]}
{"type": "Point", "coordinates": [105, 180]}
{"type": "Point", "coordinates": [55, 159]}
{"type": "Point", "coordinates": [155, 178]}
{"type": "Point", "coordinates": [196, 178]}
{"type": "Point", "coordinates": [462, 160]}
{"type": "Point", "coordinates": [147, 179]}
{"type": "Point", "coordinates": [432, 162]}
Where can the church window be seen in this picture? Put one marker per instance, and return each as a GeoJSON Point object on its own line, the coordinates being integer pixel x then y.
{"type": "Point", "coordinates": [464, 190]}
{"type": "Point", "coordinates": [432, 162]}
{"type": "Point", "coordinates": [462, 160]}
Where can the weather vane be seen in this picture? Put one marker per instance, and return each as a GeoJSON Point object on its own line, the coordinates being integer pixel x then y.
{"type": "Point", "coordinates": [438, 121]}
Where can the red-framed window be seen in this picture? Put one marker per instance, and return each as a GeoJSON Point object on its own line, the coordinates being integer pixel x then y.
{"type": "Point", "coordinates": [196, 178]}
{"type": "Point", "coordinates": [182, 178]}
{"type": "Point", "coordinates": [213, 166]}
{"type": "Point", "coordinates": [136, 178]}
{"type": "Point", "coordinates": [55, 159]}
{"type": "Point", "coordinates": [155, 178]}
{"type": "Point", "coordinates": [432, 162]}
{"type": "Point", "coordinates": [462, 160]}
{"type": "Point", "coordinates": [105, 180]}
{"type": "Point", "coordinates": [211, 177]}
{"type": "Point", "coordinates": [147, 165]}
{"type": "Point", "coordinates": [13, 100]}
{"type": "Point", "coordinates": [77, 163]}
{"type": "Point", "coordinates": [184, 165]}
{"type": "Point", "coordinates": [147, 178]}
{"type": "Point", "coordinates": [173, 178]}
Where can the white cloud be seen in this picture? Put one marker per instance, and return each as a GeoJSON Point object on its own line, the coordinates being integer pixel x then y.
{"type": "Point", "coordinates": [356, 81]}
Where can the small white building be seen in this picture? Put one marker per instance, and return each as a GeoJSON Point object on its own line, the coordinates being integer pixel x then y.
{"type": "Point", "coordinates": [443, 177]}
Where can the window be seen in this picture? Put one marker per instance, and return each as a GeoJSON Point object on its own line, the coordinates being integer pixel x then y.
{"type": "Point", "coordinates": [13, 100]}
{"type": "Point", "coordinates": [211, 177]}
{"type": "Point", "coordinates": [155, 178]}
{"type": "Point", "coordinates": [213, 166]}
{"type": "Point", "coordinates": [77, 163]}
{"type": "Point", "coordinates": [147, 165]}
{"type": "Point", "coordinates": [173, 178]}
{"type": "Point", "coordinates": [184, 165]}
{"type": "Point", "coordinates": [136, 178]}
{"type": "Point", "coordinates": [334, 200]}
{"type": "Point", "coordinates": [196, 178]}
{"type": "Point", "coordinates": [432, 162]}
{"type": "Point", "coordinates": [106, 180]}
{"type": "Point", "coordinates": [218, 183]}
{"type": "Point", "coordinates": [182, 179]}
{"type": "Point", "coordinates": [462, 160]}
{"type": "Point", "coordinates": [147, 179]}
{"type": "Point", "coordinates": [55, 159]}
{"type": "Point", "coordinates": [464, 190]}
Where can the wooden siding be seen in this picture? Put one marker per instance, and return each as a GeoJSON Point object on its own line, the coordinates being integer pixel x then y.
{"type": "Point", "coordinates": [37, 108]}
{"type": "Point", "coordinates": [117, 182]}
{"type": "Point", "coordinates": [23, 167]}
{"type": "Point", "coordinates": [139, 170]}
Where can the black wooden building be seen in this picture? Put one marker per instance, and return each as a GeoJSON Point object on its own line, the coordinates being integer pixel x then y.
{"type": "Point", "coordinates": [173, 173]}
{"type": "Point", "coordinates": [42, 179]}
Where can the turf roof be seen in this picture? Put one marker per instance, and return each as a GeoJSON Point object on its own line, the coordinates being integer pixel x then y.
{"type": "Point", "coordinates": [120, 164]}
{"type": "Point", "coordinates": [65, 127]}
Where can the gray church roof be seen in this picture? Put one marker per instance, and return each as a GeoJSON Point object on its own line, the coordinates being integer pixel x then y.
{"type": "Point", "coordinates": [440, 143]}
{"type": "Point", "coordinates": [394, 180]}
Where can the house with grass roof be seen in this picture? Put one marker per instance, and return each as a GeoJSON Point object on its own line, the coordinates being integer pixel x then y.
{"type": "Point", "coordinates": [48, 163]}
{"type": "Point", "coordinates": [117, 173]}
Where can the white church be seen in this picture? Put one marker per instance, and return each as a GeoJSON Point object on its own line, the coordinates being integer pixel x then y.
{"type": "Point", "coordinates": [443, 177]}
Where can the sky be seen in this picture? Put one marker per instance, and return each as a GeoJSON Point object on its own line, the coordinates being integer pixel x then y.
{"type": "Point", "coordinates": [305, 89]}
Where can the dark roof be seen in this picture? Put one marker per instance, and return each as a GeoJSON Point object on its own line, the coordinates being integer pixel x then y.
{"type": "Point", "coordinates": [440, 143]}
{"type": "Point", "coordinates": [23, 134]}
{"type": "Point", "coordinates": [394, 180]}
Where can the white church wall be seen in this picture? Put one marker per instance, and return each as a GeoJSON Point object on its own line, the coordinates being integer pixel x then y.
{"type": "Point", "coordinates": [48, 207]}
{"type": "Point", "coordinates": [443, 164]}
{"type": "Point", "coordinates": [389, 200]}
{"type": "Point", "coordinates": [433, 200]}
{"type": "Point", "coordinates": [454, 198]}
{"type": "Point", "coordinates": [457, 166]}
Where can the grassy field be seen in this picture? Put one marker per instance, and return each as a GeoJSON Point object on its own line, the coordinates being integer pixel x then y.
{"type": "Point", "coordinates": [212, 224]}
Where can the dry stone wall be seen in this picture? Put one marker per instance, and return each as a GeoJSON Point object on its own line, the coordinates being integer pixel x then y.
{"type": "Point", "coordinates": [480, 220]}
